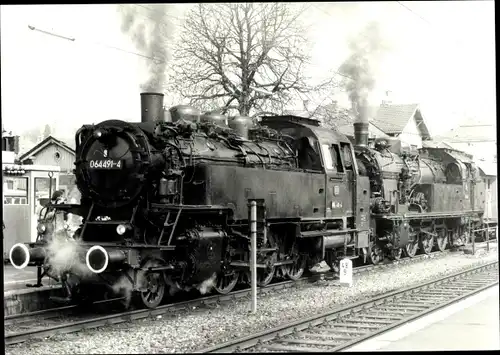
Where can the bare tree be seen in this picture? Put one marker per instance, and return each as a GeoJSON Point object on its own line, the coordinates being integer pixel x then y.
{"type": "Point", "coordinates": [332, 115]}
{"type": "Point", "coordinates": [244, 57]}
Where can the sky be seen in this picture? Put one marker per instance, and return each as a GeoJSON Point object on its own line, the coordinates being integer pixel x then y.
{"type": "Point", "coordinates": [445, 61]}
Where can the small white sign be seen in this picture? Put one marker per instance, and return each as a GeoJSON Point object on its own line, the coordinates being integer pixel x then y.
{"type": "Point", "coordinates": [336, 204]}
{"type": "Point", "coordinates": [345, 272]}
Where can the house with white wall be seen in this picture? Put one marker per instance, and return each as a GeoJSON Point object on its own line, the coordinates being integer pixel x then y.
{"type": "Point", "coordinates": [52, 151]}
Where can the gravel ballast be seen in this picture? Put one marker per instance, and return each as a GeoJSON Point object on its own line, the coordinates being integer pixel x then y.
{"type": "Point", "coordinates": [199, 328]}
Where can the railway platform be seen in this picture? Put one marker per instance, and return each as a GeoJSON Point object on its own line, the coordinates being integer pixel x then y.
{"type": "Point", "coordinates": [471, 324]}
{"type": "Point", "coordinates": [18, 298]}
{"type": "Point", "coordinates": [17, 279]}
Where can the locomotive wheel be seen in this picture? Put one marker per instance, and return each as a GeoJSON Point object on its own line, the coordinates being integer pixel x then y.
{"type": "Point", "coordinates": [294, 271]}
{"type": "Point", "coordinates": [426, 243]}
{"type": "Point", "coordinates": [156, 286]}
{"type": "Point", "coordinates": [396, 254]}
{"type": "Point", "coordinates": [376, 253]}
{"type": "Point", "coordinates": [265, 276]}
{"type": "Point", "coordinates": [226, 281]}
{"type": "Point", "coordinates": [442, 240]}
{"type": "Point", "coordinates": [411, 247]}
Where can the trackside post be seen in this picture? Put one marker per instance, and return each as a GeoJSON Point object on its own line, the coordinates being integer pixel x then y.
{"type": "Point", "coordinates": [345, 274]}
{"type": "Point", "coordinates": [253, 253]}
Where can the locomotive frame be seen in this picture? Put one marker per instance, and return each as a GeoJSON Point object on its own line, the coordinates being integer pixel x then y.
{"type": "Point", "coordinates": [177, 217]}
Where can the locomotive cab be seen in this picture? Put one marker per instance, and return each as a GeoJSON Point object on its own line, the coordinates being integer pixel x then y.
{"type": "Point", "coordinates": [327, 158]}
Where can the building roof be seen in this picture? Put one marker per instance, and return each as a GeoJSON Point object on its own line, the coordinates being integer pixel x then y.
{"type": "Point", "coordinates": [392, 119]}
{"type": "Point", "coordinates": [471, 131]}
{"type": "Point", "coordinates": [43, 144]}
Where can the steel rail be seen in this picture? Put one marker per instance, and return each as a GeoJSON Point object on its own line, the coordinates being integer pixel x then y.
{"type": "Point", "coordinates": [50, 312]}
{"type": "Point", "coordinates": [431, 296]}
{"type": "Point", "coordinates": [77, 325]}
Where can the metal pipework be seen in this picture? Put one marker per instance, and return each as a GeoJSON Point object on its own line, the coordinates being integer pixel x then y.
{"type": "Point", "coordinates": [151, 107]}
{"type": "Point", "coordinates": [99, 259]}
{"type": "Point", "coordinates": [21, 255]}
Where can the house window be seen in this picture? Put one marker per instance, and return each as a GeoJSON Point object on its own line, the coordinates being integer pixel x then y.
{"type": "Point", "coordinates": [15, 191]}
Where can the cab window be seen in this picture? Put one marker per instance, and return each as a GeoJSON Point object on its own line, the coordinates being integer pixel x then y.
{"type": "Point", "coordinates": [331, 156]}
{"type": "Point", "coordinates": [325, 148]}
{"type": "Point", "coordinates": [337, 158]}
{"type": "Point", "coordinates": [307, 155]}
{"type": "Point", "coordinates": [347, 155]}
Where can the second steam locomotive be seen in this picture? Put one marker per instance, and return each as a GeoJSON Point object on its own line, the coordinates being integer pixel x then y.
{"type": "Point", "coordinates": [165, 202]}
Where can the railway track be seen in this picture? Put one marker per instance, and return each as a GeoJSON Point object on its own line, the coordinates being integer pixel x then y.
{"type": "Point", "coordinates": [344, 327]}
{"type": "Point", "coordinates": [40, 324]}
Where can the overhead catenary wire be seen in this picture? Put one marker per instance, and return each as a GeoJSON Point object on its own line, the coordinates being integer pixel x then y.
{"type": "Point", "coordinates": [75, 40]}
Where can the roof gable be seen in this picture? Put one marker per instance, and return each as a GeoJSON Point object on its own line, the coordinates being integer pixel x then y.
{"type": "Point", "coordinates": [392, 119]}
{"type": "Point", "coordinates": [45, 143]}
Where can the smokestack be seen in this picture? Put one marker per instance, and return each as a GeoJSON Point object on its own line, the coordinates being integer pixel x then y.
{"type": "Point", "coordinates": [361, 126]}
{"type": "Point", "coordinates": [151, 107]}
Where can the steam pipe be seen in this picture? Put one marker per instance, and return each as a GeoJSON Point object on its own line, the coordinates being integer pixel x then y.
{"type": "Point", "coordinates": [151, 107]}
{"type": "Point", "coordinates": [21, 255]}
{"type": "Point", "coordinates": [99, 259]}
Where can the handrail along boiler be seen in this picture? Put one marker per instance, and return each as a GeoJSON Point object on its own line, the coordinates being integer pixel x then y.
{"type": "Point", "coordinates": [164, 201]}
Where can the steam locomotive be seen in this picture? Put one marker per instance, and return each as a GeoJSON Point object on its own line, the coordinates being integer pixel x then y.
{"type": "Point", "coordinates": [165, 202]}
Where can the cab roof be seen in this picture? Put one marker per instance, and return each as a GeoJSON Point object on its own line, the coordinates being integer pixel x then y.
{"type": "Point", "coordinates": [323, 134]}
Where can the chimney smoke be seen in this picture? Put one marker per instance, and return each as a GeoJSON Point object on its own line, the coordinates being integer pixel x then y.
{"type": "Point", "coordinates": [366, 48]}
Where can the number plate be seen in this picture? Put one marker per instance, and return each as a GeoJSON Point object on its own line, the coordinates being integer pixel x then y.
{"type": "Point", "coordinates": [105, 164]}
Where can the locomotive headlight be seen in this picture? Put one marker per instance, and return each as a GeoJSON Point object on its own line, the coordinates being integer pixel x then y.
{"type": "Point", "coordinates": [41, 228]}
{"type": "Point", "coordinates": [97, 134]}
{"type": "Point", "coordinates": [121, 229]}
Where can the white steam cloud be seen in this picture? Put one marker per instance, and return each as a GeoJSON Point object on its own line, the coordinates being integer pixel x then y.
{"type": "Point", "coordinates": [150, 29]}
{"type": "Point", "coordinates": [65, 253]}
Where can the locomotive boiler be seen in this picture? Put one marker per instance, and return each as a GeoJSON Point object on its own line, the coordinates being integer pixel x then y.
{"type": "Point", "coordinates": [165, 201]}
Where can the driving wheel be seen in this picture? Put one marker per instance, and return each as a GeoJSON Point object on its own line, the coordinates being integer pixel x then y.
{"type": "Point", "coordinates": [411, 247]}
{"type": "Point", "coordinates": [426, 242]}
{"type": "Point", "coordinates": [226, 281]}
{"type": "Point", "coordinates": [154, 284]}
{"type": "Point", "coordinates": [442, 239]}
{"type": "Point", "coordinates": [375, 253]}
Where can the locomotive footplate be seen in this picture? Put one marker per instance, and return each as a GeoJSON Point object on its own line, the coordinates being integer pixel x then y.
{"type": "Point", "coordinates": [426, 215]}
